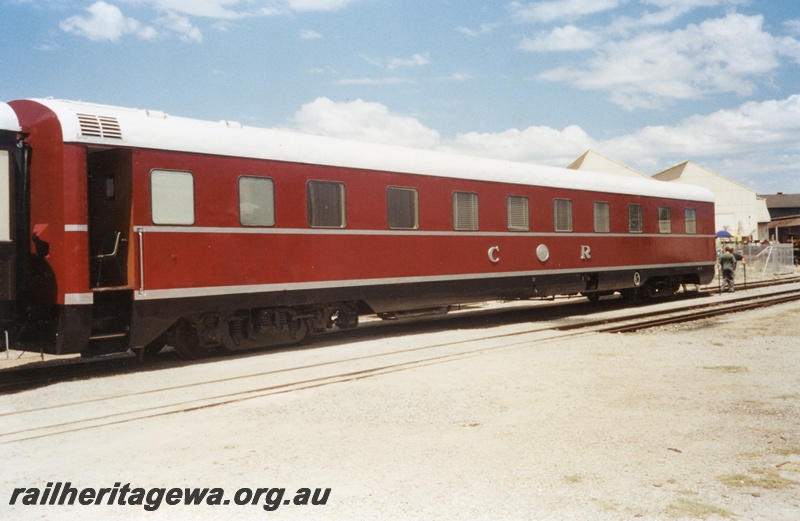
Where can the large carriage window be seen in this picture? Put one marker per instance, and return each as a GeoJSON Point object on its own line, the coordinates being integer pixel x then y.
{"type": "Point", "coordinates": [256, 201]}
{"type": "Point", "coordinates": [690, 218]}
{"type": "Point", "coordinates": [602, 217]}
{"type": "Point", "coordinates": [5, 197]}
{"type": "Point", "coordinates": [465, 211]}
{"type": "Point", "coordinates": [402, 208]}
{"type": "Point", "coordinates": [664, 219]}
{"type": "Point", "coordinates": [518, 215]}
{"type": "Point", "coordinates": [562, 215]}
{"type": "Point", "coordinates": [326, 204]}
{"type": "Point", "coordinates": [172, 194]}
{"type": "Point", "coordinates": [635, 218]}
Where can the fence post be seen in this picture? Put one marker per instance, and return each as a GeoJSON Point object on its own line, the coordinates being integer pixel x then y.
{"type": "Point", "coordinates": [744, 265]}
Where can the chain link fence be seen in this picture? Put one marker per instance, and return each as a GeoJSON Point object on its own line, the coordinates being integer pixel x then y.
{"type": "Point", "coordinates": [761, 261]}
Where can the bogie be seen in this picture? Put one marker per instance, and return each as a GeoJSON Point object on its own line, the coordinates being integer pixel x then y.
{"type": "Point", "coordinates": [208, 334]}
{"type": "Point", "coordinates": [186, 339]}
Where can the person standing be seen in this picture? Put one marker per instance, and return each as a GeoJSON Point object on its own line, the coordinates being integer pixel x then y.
{"type": "Point", "coordinates": [727, 262]}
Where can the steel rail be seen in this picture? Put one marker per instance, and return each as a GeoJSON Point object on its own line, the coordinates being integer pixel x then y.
{"type": "Point", "coordinates": [469, 348]}
{"type": "Point", "coordinates": [700, 314]}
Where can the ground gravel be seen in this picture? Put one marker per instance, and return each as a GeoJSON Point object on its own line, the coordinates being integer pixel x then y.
{"type": "Point", "coordinates": [699, 421]}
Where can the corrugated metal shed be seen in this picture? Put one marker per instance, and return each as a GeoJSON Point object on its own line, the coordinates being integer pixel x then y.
{"type": "Point", "coordinates": [785, 223]}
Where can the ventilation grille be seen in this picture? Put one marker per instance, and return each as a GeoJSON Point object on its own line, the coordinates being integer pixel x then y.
{"type": "Point", "coordinates": [99, 126]}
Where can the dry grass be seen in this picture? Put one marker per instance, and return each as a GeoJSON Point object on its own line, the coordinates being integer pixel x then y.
{"type": "Point", "coordinates": [758, 478]}
{"type": "Point", "coordinates": [728, 368]}
{"type": "Point", "coordinates": [787, 451]}
{"type": "Point", "coordinates": [683, 508]}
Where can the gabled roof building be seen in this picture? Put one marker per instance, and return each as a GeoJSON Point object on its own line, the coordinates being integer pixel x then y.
{"type": "Point", "coordinates": [595, 162]}
{"type": "Point", "coordinates": [782, 205]}
{"type": "Point", "coordinates": [739, 210]}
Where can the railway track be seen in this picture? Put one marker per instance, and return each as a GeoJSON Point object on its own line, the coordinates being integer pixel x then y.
{"type": "Point", "coordinates": [754, 284]}
{"type": "Point", "coordinates": [637, 322]}
{"type": "Point", "coordinates": [194, 391]}
{"type": "Point", "coordinates": [34, 423]}
{"type": "Point", "coordinates": [744, 304]}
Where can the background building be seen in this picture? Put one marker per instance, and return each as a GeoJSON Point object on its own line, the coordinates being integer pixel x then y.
{"type": "Point", "coordinates": [739, 210]}
{"type": "Point", "coordinates": [785, 212]}
{"type": "Point", "coordinates": [595, 162]}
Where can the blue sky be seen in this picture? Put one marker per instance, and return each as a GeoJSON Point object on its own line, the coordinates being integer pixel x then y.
{"type": "Point", "coordinates": [650, 83]}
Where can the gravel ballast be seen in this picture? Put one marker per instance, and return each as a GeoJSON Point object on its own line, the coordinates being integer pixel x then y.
{"type": "Point", "coordinates": [698, 421]}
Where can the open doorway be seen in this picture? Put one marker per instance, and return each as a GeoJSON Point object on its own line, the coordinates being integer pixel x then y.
{"type": "Point", "coordinates": [110, 196]}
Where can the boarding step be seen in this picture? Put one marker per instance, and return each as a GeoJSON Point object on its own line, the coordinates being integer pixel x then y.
{"type": "Point", "coordinates": [111, 314]}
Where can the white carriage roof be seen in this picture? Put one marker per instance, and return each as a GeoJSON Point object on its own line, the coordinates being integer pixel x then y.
{"type": "Point", "coordinates": [106, 125]}
{"type": "Point", "coordinates": [8, 118]}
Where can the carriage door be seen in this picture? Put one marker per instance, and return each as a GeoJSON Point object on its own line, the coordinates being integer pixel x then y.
{"type": "Point", "coordinates": [110, 195]}
{"type": "Point", "coordinates": [8, 249]}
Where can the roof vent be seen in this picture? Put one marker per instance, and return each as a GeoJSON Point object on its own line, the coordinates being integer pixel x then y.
{"type": "Point", "coordinates": [99, 126]}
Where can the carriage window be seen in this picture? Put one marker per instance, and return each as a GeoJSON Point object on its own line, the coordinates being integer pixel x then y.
{"type": "Point", "coordinates": [635, 218]}
{"type": "Point", "coordinates": [465, 211]}
{"type": "Point", "coordinates": [562, 215]}
{"type": "Point", "coordinates": [111, 188]}
{"type": "Point", "coordinates": [602, 217]}
{"type": "Point", "coordinates": [517, 212]}
{"type": "Point", "coordinates": [5, 197]}
{"type": "Point", "coordinates": [172, 196]}
{"type": "Point", "coordinates": [256, 201]}
{"type": "Point", "coordinates": [326, 204]}
{"type": "Point", "coordinates": [690, 219]}
{"type": "Point", "coordinates": [402, 208]}
{"type": "Point", "coordinates": [664, 219]}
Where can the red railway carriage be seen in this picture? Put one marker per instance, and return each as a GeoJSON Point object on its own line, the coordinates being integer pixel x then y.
{"type": "Point", "coordinates": [142, 225]}
{"type": "Point", "coordinates": [9, 131]}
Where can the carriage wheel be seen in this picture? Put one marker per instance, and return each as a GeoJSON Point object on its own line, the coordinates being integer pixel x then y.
{"type": "Point", "coordinates": [186, 342]}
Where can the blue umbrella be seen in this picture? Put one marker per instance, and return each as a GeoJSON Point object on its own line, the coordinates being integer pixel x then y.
{"type": "Point", "coordinates": [722, 234]}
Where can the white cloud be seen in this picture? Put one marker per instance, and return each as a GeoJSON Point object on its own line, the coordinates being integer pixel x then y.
{"type": "Point", "coordinates": [689, 5]}
{"type": "Point", "coordinates": [105, 22]}
{"type": "Point", "coordinates": [232, 9]}
{"type": "Point", "coordinates": [181, 27]}
{"type": "Point", "coordinates": [559, 9]}
{"type": "Point", "coordinates": [481, 30]}
{"type": "Point", "coordinates": [318, 5]}
{"type": "Point", "coordinates": [370, 121]}
{"type": "Point", "coordinates": [537, 144]}
{"type": "Point", "coordinates": [753, 127]}
{"type": "Point", "coordinates": [793, 26]}
{"type": "Point", "coordinates": [789, 47]}
{"type": "Point", "coordinates": [418, 60]}
{"type": "Point", "coordinates": [671, 10]}
{"type": "Point", "coordinates": [308, 34]}
{"type": "Point", "coordinates": [219, 9]}
{"type": "Point", "coordinates": [362, 120]}
{"type": "Point", "coordinates": [568, 38]}
{"type": "Point", "coordinates": [458, 76]}
{"type": "Point", "coordinates": [755, 143]}
{"type": "Point", "coordinates": [373, 81]}
{"type": "Point", "coordinates": [391, 64]}
{"type": "Point", "coordinates": [47, 47]}
{"type": "Point", "coordinates": [725, 55]}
